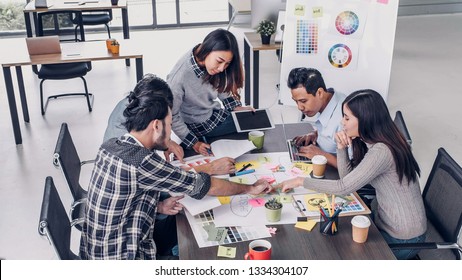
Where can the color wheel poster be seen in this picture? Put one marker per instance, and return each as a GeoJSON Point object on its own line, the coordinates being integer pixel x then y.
{"type": "Point", "coordinates": [349, 41]}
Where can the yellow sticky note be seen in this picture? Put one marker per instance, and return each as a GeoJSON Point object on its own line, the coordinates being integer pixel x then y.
{"type": "Point", "coordinates": [308, 225]}
{"type": "Point", "coordinates": [306, 168]}
{"type": "Point", "coordinates": [299, 10]}
{"type": "Point", "coordinates": [224, 199]}
{"type": "Point", "coordinates": [227, 252]}
{"type": "Point", "coordinates": [254, 164]}
{"type": "Point", "coordinates": [317, 12]}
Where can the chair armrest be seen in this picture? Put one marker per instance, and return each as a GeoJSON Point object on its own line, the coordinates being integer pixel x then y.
{"type": "Point", "coordinates": [87, 162]}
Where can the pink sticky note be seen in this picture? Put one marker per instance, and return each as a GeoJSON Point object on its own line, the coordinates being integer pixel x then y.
{"type": "Point", "coordinates": [272, 230]}
{"type": "Point", "coordinates": [296, 171]}
{"type": "Point", "coordinates": [257, 202]}
{"type": "Point", "coordinates": [382, 1]}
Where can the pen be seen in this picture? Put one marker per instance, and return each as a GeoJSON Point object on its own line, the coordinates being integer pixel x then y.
{"type": "Point", "coordinates": [242, 172]}
{"type": "Point", "coordinates": [209, 151]}
{"type": "Point", "coordinates": [244, 167]}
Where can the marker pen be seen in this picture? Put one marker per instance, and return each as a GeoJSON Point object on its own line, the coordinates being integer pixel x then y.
{"type": "Point", "coordinates": [242, 172]}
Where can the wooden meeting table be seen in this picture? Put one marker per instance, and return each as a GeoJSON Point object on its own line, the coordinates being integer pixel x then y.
{"type": "Point", "coordinates": [71, 52]}
{"type": "Point", "coordinates": [290, 243]}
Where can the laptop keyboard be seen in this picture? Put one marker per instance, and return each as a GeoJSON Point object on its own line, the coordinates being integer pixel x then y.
{"type": "Point", "coordinates": [293, 150]}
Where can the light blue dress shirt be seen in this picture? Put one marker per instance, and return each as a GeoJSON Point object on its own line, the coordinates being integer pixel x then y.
{"type": "Point", "coordinates": [329, 123]}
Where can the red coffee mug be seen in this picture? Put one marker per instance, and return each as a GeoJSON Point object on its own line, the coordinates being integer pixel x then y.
{"type": "Point", "coordinates": [259, 250]}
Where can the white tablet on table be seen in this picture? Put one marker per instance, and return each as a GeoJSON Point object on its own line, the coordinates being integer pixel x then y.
{"type": "Point", "coordinates": [249, 120]}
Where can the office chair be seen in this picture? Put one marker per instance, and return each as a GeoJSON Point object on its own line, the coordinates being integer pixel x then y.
{"type": "Point", "coordinates": [442, 198]}
{"type": "Point", "coordinates": [240, 7]}
{"type": "Point", "coordinates": [62, 71]}
{"type": "Point", "coordinates": [96, 17]}
{"type": "Point", "coordinates": [367, 193]}
{"type": "Point", "coordinates": [54, 223]}
{"type": "Point", "coordinates": [66, 158]}
{"type": "Point", "coordinates": [401, 125]}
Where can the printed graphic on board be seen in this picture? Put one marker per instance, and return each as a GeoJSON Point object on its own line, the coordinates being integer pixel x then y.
{"type": "Point", "coordinates": [342, 55]}
{"type": "Point", "coordinates": [307, 37]}
{"type": "Point", "coordinates": [347, 23]}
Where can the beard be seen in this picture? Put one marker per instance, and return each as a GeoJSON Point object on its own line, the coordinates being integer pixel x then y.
{"type": "Point", "coordinates": [161, 142]}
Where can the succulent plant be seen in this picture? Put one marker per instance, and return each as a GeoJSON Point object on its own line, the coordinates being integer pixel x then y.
{"type": "Point", "coordinates": [273, 203]}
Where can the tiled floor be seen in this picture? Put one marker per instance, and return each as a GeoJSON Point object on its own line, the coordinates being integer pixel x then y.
{"type": "Point", "coordinates": [424, 86]}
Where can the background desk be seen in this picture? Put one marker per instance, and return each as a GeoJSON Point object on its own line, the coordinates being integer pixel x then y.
{"type": "Point", "coordinates": [291, 243]}
{"type": "Point", "coordinates": [71, 52]}
{"type": "Point", "coordinates": [59, 5]}
{"type": "Point", "coordinates": [252, 42]}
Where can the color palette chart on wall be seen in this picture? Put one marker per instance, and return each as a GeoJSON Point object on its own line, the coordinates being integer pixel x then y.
{"type": "Point", "coordinates": [347, 23]}
{"type": "Point", "coordinates": [307, 37]}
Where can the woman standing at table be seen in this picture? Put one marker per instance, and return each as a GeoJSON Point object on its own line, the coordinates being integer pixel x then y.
{"type": "Point", "coordinates": [382, 158]}
{"type": "Point", "coordinates": [210, 70]}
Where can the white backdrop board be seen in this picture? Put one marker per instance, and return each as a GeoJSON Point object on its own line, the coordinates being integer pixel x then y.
{"type": "Point", "coordinates": [349, 41]}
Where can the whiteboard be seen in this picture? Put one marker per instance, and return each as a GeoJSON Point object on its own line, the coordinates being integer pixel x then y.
{"type": "Point", "coordinates": [349, 41]}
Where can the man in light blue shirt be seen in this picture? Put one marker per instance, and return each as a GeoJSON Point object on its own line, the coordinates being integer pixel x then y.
{"type": "Point", "coordinates": [309, 92]}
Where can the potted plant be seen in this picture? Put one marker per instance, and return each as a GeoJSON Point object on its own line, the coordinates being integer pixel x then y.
{"type": "Point", "coordinates": [115, 47]}
{"type": "Point", "coordinates": [273, 210]}
{"type": "Point", "coordinates": [266, 28]}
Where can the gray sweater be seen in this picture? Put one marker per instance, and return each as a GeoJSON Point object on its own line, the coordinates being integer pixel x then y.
{"type": "Point", "coordinates": [193, 100]}
{"type": "Point", "coordinates": [400, 211]}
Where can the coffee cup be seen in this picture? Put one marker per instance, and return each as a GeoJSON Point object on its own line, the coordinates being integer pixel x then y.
{"type": "Point", "coordinates": [319, 166]}
{"type": "Point", "coordinates": [259, 250]}
{"type": "Point", "coordinates": [109, 43]}
{"type": "Point", "coordinates": [360, 226]}
{"type": "Point", "coordinates": [257, 138]}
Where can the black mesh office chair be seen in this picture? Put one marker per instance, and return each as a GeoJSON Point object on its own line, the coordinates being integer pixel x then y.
{"type": "Point", "coordinates": [54, 223]}
{"type": "Point", "coordinates": [67, 159]}
{"type": "Point", "coordinates": [442, 198]}
{"type": "Point", "coordinates": [93, 18]}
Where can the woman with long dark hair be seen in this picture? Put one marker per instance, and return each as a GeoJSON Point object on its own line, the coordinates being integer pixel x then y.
{"type": "Point", "coordinates": [211, 70]}
{"type": "Point", "coordinates": [382, 158]}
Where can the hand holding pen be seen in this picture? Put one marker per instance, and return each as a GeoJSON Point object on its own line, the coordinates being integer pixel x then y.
{"type": "Point", "coordinates": [203, 149]}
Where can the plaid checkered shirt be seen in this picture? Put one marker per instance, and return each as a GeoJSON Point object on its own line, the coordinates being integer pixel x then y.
{"type": "Point", "coordinates": [123, 196]}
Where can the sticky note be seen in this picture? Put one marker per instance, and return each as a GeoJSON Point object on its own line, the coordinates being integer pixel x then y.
{"type": "Point", "coordinates": [285, 198]}
{"type": "Point", "coordinates": [257, 202]}
{"type": "Point", "coordinates": [317, 12]}
{"type": "Point", "coordinates": [382, 1]}
{"type": "Point", "coordinates": [269, 179]}
{"type": "Point", "coordinates": [308, 225]}
{"type": "Point", "coordinates": [224, 199]}
{"type": "Point", "coordinates": [227, 252]}
{"type": "Point", "coordinates": [299, 10]}
{"type": "Point", "coordinates": [306, 168]}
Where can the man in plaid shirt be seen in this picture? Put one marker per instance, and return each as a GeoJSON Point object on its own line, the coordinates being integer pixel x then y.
{"type": "Point", "coordinates": [128, 177]}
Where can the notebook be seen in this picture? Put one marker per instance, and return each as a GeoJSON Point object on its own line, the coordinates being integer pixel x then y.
{"type": "Point", "coordinates": [43, 45]}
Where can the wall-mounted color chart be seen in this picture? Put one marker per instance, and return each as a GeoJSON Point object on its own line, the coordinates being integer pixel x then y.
{"type": "Point", "coordinates": [352, 45]}
{"type": "Point", "coordinates": [307, 37]}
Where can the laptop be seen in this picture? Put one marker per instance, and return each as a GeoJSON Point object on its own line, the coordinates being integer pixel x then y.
{"type": "Point", "coordinates": [43, 45]}
{"type": "Point", "coordinates": [293, 148]}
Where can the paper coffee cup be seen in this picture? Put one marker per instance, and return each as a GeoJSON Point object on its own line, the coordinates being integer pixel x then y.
{"type": "Point", "coordinates": [319, 166]}
{"type": "Point", "coordinates": [360, 228]}
{"type": "Point", "coordinates": [257, 138]}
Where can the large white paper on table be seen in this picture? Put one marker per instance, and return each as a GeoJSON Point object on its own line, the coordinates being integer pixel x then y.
{"type": "Point", "coordinates": [231, 148]}
{"type": "Point", "coordinates": [195, 206]}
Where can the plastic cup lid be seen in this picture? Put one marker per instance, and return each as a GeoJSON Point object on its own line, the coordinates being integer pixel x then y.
{"type": "Point", "coordinates": [319, 159]}
{"type": "Point", "coordinates": [361, 221]}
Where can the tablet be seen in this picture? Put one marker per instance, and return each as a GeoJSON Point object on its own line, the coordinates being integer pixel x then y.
{"type": "Point", "coordinates": [248, 120]}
